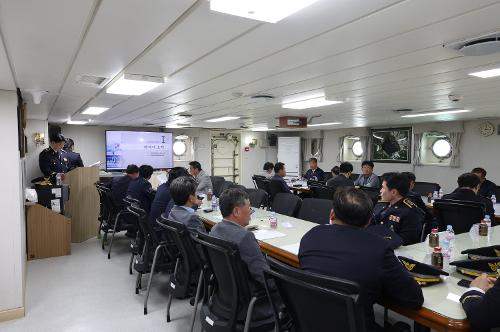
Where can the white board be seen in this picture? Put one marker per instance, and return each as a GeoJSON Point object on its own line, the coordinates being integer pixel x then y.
{"type": "Point", "coordinates": [289, 154]}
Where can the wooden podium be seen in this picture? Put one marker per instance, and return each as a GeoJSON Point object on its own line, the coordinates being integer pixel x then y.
{"type": "Point", "coordinates": [83, 204]}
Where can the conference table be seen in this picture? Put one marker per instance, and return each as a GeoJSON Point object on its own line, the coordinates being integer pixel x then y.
{"type": "Point", "coordinates": [441, 310]}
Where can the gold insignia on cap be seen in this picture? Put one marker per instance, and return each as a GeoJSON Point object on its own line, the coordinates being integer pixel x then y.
{"type": "Point", "coordinates": [494, 266]}
{"type": "Point", "coordinates": [497, 252]}
{"type": "Point", "coordinates": [408, 266]}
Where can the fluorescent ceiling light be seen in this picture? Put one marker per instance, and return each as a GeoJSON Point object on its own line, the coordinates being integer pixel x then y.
{"type": "Point", "coordinates": [434, 113]}
{"type": "Point", "coordinates": [182, 137]}
{"type": "Point", "coordinates": [261, 129]}
{"type": "Point", "coordinates": [310, 103]}
{"type": "Point", "coordinates": [93, 110]}
{"type": "Point", "coordinates": [224, 118]}
{"type": "Point", "coordinates": [134, 85]}
{"type": "Point", "coordinates": [270, 11]}
{"type": "Point", "coordinates": [323, 124]}
{"type": "Point", "coordinates": [487, 73]}
{"type": "Point", "coordinates": [75, 122]}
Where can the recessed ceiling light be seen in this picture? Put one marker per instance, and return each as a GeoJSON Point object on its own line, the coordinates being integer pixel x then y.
{"type": "Point", "coordinates": [487, 73]}
{"type": "Point", "coordinates": [434, 113]}
{"type": "Point", "coordinates": [270, 11]}
{"type": "Point", "coordinates": [134, 85]}
{"type": "Point", "coordinates": [75, 122]}
{"type": "Point", "coordinates": [182, 137]}
{"type": "Point", "coordinates": [323, 124]}
{"type": "Point", "coordinates": [93, 110]}
{"type": "Point", "coordinates": [310, 103]}
{"type": "Point", "coordinates": [224, 118]}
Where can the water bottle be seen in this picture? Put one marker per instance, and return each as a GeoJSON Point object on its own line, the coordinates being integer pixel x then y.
{"type": "Point", "coordinates": [440, 193]}
{"type": "Point", "coordinates": [273, 220]}
{"type": "Point", "coordinates": [435, 196]}
{"type": "Point", "coordinates": [58, 179]}
{"type": "Point", "coordinates": [215, 204]}
{"type": "Point", "coordinates": [494, 199]}
{"type": "Point", "coordinates": [450, 236]}
{"type": "Point", "coordinates": [488, 220]}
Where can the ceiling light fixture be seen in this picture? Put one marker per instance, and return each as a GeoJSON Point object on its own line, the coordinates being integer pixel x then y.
{"type": "Point", "coordinates": [182, 137]}
{"type": "Point", "coordinates": [270, 11]}
{"type": "Point", "coordinates": [134, 85]}
{"type": "Point", "coordinates": [487, 73]}
{"type": "Point", "coordinates": [324, 124]}
{"type": "Point", "coordinates": [93, 110]}
{"type": "Point", "coordinates": [76, 122]}
{"type": "Point", "coordinates": [224, 118]}
{"type": "Point", "coordinates": [434, 113]}
{"type": "Point", "coordinates": [310, 103]}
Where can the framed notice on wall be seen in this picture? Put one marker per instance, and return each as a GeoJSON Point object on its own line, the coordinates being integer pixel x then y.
{"type": "Point", "coordinates": [392, 145]}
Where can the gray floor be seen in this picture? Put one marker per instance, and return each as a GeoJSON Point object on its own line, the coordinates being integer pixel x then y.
{"type": "Point", "coordinates": [87, 292]}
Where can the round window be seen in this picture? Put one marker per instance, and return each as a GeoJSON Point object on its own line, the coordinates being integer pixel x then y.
{"type": "Point", "coordinates": [179, 148]}
{"type": "Point", "coordinates": [441, 148]}
{"type": "Point", "coordinates": [357, 149]}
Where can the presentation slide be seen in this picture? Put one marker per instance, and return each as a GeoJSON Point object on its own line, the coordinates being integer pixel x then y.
{"type": "Point", "coordinates": [138, 147]}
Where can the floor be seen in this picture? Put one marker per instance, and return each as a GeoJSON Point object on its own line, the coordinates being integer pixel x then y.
{"type": "Point", "coordinates": [87, 292]}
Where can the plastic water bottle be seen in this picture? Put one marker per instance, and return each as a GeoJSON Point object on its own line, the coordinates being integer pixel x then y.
{"type": "Point", "coordinates": [440, 193]}
{"type": "Point", "coordinates": [450, 236]}
{"type": "Point", "coordinates": [488, 220]}
{"type": "Point", "coordinates": [215, 204]}
{"type": "Point", "coordinates": [273, 220]}
{"type": "Point", "coordinates": [435, 196]}
{"type": "Point", "coordinates": [494, 199]}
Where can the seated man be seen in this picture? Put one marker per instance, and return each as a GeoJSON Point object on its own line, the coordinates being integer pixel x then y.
{"type": "Point", "coordinates": [486, 187]}
{"type": "Point", "coordinates": [277, 179]}
{"type": "Point", "coordinates": [234, 206]}
{"type": "Point", "coordinates": [481, 303]}
{"type": "Point", "coordinates": [119, 185]}
{"type": "Point", "coordinates": [415, 197]}
{"type": "Point", "coordinates": [343, 179]}
{"type": "Point", "coordinates": [74, 159]}
{"type": "Point", "coordinates": [162, 203]}
{"type": "Point", "coordinates": [140, 187]}
{"type": "Point", "coordinates": [268, 170]}
{"type": "Point", "coordinates": [314, 172]}
{"type": "Point", "coordinates": [367, 178]}
{"type": "Point", "coordinates": [468, 187]}
{"type": "Point", "coordinates": [397, 212]}
{"type": "Point", "coordinates": [335, 171]}
{"type": "Point", "coordinates": [345, 250]}
{"type": "Point", "coordinates": [202, 178]}
{"type": "Point", "coordinates": [183, 192]}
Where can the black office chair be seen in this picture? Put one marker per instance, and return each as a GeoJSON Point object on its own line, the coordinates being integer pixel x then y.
{"type": "Point", "coordinates": [286, 204]}
{"type": "Point", "coordinates": [315, 210]}
{"type": "Point", "coordinates": [274, 188]}
{"type": "Point", "coordinates": [497, 193]}
{"type": "Point", "coordinates": [217, 183]}
{"type": "Point", "coordinates": [324, 192]}
{"type": "Point", "coordinates": [328, 176]}
{"type": "Point", "coordinates": [103, 210]}
{"type": "Point", "coordinates": [188, 273]}
{"type": "Point", "coordinates": [315, 183]}
{"type": "Point", "coordinates": [460, 214]}
{"type": "Point", "coordinates": [231, 306]}
{"type": "Point", "coordinates": [314, 302]}
{"type": "Point", "coordinates": [260, 182]}
{"type": "Point", "coordinates": [354, 176]}
{"type": "Point", "coordinates": [373, 193]}
{"type": "Point", "coordinates": [258, 197]}
{"type": "Point", "coordinates": [227, 185]}
{"type": "Point", "coordinates": [237, 186]}
{"type": "Point", "coordinates": [424, 188]}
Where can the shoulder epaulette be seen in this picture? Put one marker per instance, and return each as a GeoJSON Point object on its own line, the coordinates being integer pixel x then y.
{"type": "Point", "coordinates": [408, 203]}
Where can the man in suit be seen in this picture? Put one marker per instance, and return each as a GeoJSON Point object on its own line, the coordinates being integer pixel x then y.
{"type": "Point", "coordinates": [52, 160]}
{"type": "Point", "coordinates": [278, 181]}
{"type": "Point", "coordinates": [119, 185]}
{"type": "Point", "coordinates": [398, 212]}
{"type": "Point", "coordinates": [343, 179]}
{"type": "Point", "coordinates": [481, 303]}
{"type": "Point", "coordinates": [415, 197]}
{"type": "Point", "coordinates": [344, 249]}
{"type": "Point", "coordinates": [367, 178]}
{"type": "Point", "coordinates": [314, 172]}
{"type": "Point", "coordinates": [74, 159]}
{"type": "Point", "coordinates": [468, 188]}
{"type": "Point", "coordinates": [140, 187]}
{"type": "Point", "coordinates": [183, 192]}
{"type": "Point", "coordinates": [486, 187]}
{"type": "Point", "coordinates": [202, 178]}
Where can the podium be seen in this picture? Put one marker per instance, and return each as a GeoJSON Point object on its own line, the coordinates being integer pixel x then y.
{"type": "Point", "coordinates": [83, 204]}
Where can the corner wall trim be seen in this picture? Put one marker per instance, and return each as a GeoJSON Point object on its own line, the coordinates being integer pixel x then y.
{"type": "Point", "coordinates": [11, 314]}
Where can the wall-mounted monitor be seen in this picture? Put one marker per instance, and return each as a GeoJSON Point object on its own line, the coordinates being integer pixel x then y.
{"type": "Point", "coordinates": [138, 147]}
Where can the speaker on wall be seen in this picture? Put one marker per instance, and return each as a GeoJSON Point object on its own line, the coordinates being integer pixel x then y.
{"type": "Point", "coordinates": [272, 139]}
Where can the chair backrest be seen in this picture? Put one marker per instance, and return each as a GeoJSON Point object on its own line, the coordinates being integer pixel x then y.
{"type": "Point", "coordinates": [256, 177]}
{"type": "Point", "coordinates": [315, 210]}
{"type": "Point", "coordinates": [258, 197]}
{"type": "Point", "coordinates": [324, 192]}
{"type": "Point", "coordinates": [260, 182]}
{"type": "Point", "coordinates": [145, 227]}
{"type": "Point", "coordinates": [238, 186]}
{"type": "Point", "coordinates": [460, 214]}
{"type": "Point", "coordinates": [373, 193]}
{"type": "Point", "coordinates": [287, 204]}
{"type": "Point", "coordinates": [190, 262]}
{"type": "Point", "coordinates": [274, 188]}
{"type": "Point", "coordinates": [232, 291]}
{"type": "Point", "coordinates": [424, 188]}
{"type": "Point", "coordinates": [217, 182]}
{"type": "Point", "coordinates": [328, 176]}
{"type": "Point", "coordinates": [315, 183]}
{"type": "Point", "coordinates": [497, 193]}
{"type": "Point", "coordinates": [354, 176]}
{"type": "Point", "coordinates": [332, 304]}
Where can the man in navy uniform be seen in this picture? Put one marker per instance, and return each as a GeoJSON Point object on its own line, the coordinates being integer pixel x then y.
{"type": "Point", "coordinates": [344, 249]}
{"type": "Point", "coordinates": [74, 159]}
{"type": "Point", "coordinates": [398, 212]}
{"type": "Point", "coordinates": [481, 303]}
{"type": "Point", "coordinates": [486, 187]}
{"type": "Point", "coordinates": [119, 185]}
{"type": "Point", "coordinates": [314, 172]}
{"type": "Point", "coordinates": [52, 159]}
{"type": "Point", "coordinates": [140, 188]}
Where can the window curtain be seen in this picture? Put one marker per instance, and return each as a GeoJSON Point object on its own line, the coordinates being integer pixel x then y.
{"type": "Point", "coordinates": [417, 146]}
{"type": "Point", "coordinates": [340, 154]}
{"type": "Point", "coordinates": [366, 142]}
{"type": "Point", "coordinates": [455, 139]}
{"type": "Point", "coordinates": [312, 147]}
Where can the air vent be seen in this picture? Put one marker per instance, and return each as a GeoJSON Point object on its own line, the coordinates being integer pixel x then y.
{"type": "Point", "coordinates": [403, 111]}
{"type": "Point", "coordinates": [262, 98]}
{"type": "Point", "coordinates": [477, 46]}
{"type": "Point", "coordinates": [96, 81]}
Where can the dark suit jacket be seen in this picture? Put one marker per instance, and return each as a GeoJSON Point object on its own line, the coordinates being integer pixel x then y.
{"type": "Point", "coordinates": [318, 173]}
{"type": "Point", "coordinates": [74, 160]}
{"type": "Point", "coordinates": [482, 309]}
{"type": "Point", "coordinates": [119, 186]}
{"type": "Point", "coordinates": [160, 203]}
{"type": "Point", "coordinates": [462, 194]}
{"type": "Point", "coordinates": [340, 181]}
{"type": "Point", "coordinates": [417, 199]}
{"type": "Point", "coordinates": [354, 254]}
{"type": "Point", "coordinates": [487, 189]}
{"type": "Point", "coordinates": [281, 184]}
{"type": "Point", "coordinates": [188, 218]}
{"type": "Point", "coordinates": [140, 189]}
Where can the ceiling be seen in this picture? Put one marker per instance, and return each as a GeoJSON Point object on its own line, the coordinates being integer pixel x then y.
{"type": "Point", "coordinates": [377, 56]}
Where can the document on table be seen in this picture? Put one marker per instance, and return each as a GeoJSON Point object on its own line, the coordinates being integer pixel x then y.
{"type": "Point", "coordinates": [293, 248]}
{"type": "Point", "coordinates": [266, 234]}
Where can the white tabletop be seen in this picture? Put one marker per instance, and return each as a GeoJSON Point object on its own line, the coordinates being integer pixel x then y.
{"type": "Point", "coordinates": [442, 298]}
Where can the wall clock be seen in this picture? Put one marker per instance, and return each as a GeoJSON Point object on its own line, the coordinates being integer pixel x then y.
{"type": "Point", "coordinates": [486, 129]}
